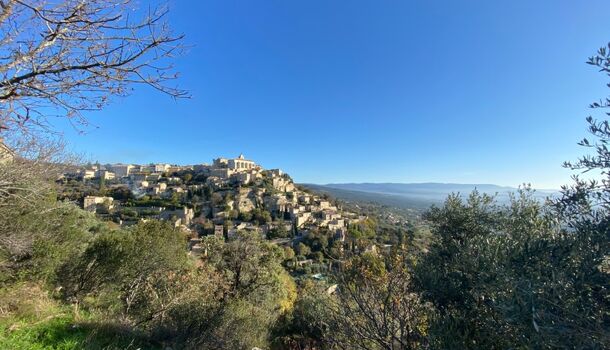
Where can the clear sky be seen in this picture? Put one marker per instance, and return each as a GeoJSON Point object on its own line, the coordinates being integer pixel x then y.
{"type": "Point", "coordinates": [371, 91]}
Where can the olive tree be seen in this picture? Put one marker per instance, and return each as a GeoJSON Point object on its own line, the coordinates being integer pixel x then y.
{"type": "Point", "coordinates": [527, 274]}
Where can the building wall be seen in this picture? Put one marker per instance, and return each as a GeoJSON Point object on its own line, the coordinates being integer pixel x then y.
{"type": "Point", "coordinates": [90, 202]}
{"type": "Point", "coordinates": [121, 170]}
{"type": "Point", "coordinates": [241, 164]}
{"type": "Point", "coordinates": [161, 167]}
{"type": "Point", "coordinates": [88, 174]}
{"type": "Point", "coordinates": [6, 155]}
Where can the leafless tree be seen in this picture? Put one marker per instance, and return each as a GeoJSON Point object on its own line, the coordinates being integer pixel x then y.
{"type": "Point", "coordinates": [31, 169]}
{"type": "Point", "coordinates": [66, 57]}
{"type": "Point", "coordinates": [26, 181]}
{"type": "Point", "coordinates": [376, 307]}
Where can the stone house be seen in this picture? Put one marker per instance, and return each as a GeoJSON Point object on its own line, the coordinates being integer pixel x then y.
{"type": "Point", "coordinates": [240, 164]}
{"type": "Point", "coordinates": [161, 168]}
{"type": "Point", "coordinates": [90, 203]}
{"type": "Point", "coordinates": [184, 215]}
{"type": "Point", "coordinates": [120, 170]}
{"type": "Point", "coordinates": [105, 174]}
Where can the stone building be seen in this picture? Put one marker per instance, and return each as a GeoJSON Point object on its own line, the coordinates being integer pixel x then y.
{"type": "Point", "coordinates": [105, 174]}
{"type": "Point", "coordinates": [221, 173]}
{"type": "Point", "coordinates": [242, 178]}
{"type": "Point", "coordinates": [6, 154]}
{"type": "Point", "coordinates": [240, 164]}
{"type": "Point", "coordinates": [220, 163]}
{"type": "Point", "coordinates": [87, 174]}
{"type": "Point", "coordinates": [182, 216]}
{"type": "Point", "coordinates": [90, 203]}
{"type": "Point", "coordinates": [120, 170]}
{"type": "Point", "coordinates": [160, 168]}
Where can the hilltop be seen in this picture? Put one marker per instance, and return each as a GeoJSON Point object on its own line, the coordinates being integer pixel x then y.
{"type": "Point", "coordinates": [221, 198]}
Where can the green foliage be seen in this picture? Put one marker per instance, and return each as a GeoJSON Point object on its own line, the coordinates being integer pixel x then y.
{"type": "Point", "coordinates": [65, 333]}
{"type": "Point", "coordinates": [128, 214]}
{"type": "Point", "coordinates": [230, 213]}
{"type": "Point", "coordinates": [526, 275]}
{"type": "Point", "coordinates": [245, 216]}
{"type": "Point", "coordinates": [137, 265]}
{"type": "Point", "coordinates": [363, 230]}
{"type": "Point", "coordinates": [289, 254]}
{"type": "Point", "coordinates": [248, 263]}
{"type": "Point", "coordinates": [251, 291]}
{"type": "Point", "coordinates": [477, 275]}
{"type": "Point", "coordinates": [121, 193]}
{"type": "Point", "coordinates": [147, 201]}
{"type": "Point", "coordinates": [186, 177]}
{"type": "Point", "coordinates": [33, 245]}
{"type": "Point", "coordinates": [317, 240]}
{"type": "Point", "coordinates": [102, 186]}
{"type": "Point", "coordinates": [32, 320]}
{"type": "Point", "coordinates": [302, 249]}
{"type": "Point", "coordinates": [308, 325]}
{"type": "Point", "coordinates": [261, 216]}
{"type": "Point", "coordinates": [278, 231]}
{"type": "Point", "coordinates": [511, 277]}
{"type": "Point", "coordinates": [376, 306]}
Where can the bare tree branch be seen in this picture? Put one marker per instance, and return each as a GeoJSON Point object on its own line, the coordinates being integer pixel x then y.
{"type": "Point", "coordinates": [67, 57]}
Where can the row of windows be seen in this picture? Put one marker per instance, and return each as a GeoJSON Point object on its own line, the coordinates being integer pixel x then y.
{"type": "Point", "coordinates": [243, 165]}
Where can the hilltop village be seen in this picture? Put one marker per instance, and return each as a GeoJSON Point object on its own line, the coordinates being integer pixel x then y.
{"type": "Point", "coordinates": [219, 199]}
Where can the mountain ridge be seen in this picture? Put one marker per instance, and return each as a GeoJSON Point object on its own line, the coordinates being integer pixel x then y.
{"type": "Point", "coordinates": [415, 195]}
{"type": "Point", "coordinates": [443, 184]}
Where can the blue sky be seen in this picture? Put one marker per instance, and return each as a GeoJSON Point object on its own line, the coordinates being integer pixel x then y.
{"type": "Point", "coordinates": [371, 91]}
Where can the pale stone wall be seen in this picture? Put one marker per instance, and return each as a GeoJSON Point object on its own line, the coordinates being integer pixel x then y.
{"type": "Point", "coordinates": [161, 167]}
{"type": "Point", "coordinates": [222, 173]}
{"type": "Point", "coordinates": [221, 162]}
{"type": "Point", "coordinates": [242, 178]}
{"type": "Point", "coordinates": [88, 174]}
{"type": "Point", "coordinates": [90, 202]}
{"type": "Point", "coordinates": [121, 170]}
{"type": "Point", "coordinates": [105, 174]}
{"type": "Point", "coordinates": [6, 155]}
{"type": "Point", "coordinates": [241, 164]}
{"type": "Point", "coordinates": [184, 216]}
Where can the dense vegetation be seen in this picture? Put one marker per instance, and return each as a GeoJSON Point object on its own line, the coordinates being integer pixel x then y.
{"type": "Point", "coordinates": [475, 274]}
{"type": "Point", "coordinates": [479, 275]}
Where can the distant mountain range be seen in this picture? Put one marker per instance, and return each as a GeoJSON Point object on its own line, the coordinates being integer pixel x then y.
{"type": "Point", "coordinates": [413, 195]}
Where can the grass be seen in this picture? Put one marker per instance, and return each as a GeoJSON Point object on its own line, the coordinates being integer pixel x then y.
{"type": "Point", "coordinates": [64, 333]}
{"type": "Point", "coordinates": [30, 320]}
{"type": "Point", "coordinates": [57, 333]}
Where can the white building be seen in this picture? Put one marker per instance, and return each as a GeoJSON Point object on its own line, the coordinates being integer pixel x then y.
{"type": "Point", "coordinates": [120, 170]}
{"type": "Point", "coordinates": [105, 174]}
{"type": "Point", "coordinates": [87, 174]}
{"type": "Point", "coordinates": [241, 164]}
{"type": "Point", "coordinates": [161, 168]}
